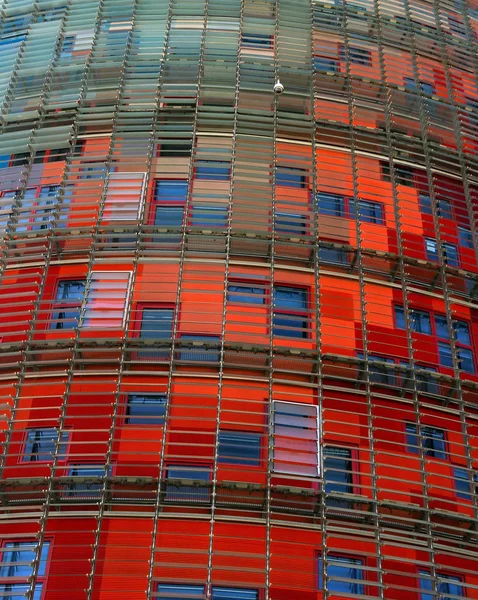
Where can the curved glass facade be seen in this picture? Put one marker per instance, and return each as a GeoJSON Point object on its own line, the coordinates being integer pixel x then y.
{"type": "Point", "coordinates": [238, 329]}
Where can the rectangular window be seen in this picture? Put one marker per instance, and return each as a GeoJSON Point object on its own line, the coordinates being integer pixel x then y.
{"type": "Point", "coordinates": [462, 483]}
{"type": "Point", "coordinates": [256, 41]}
{"type": "Point", "coordinates": [216, 170]}
{"type": "Point", "coordinates": [431, 250]}
{"type": "Point", "coordinates": [198, 351]}
{"type": "Point", "coordinates": [195, 491]}
{"type": "Point", "coordinates": [333, 256]}
{"type": "Point", "coordinates": [432, 440]}
{"type": "Point", "coordinates": [156, 324]}
{"type": "Point", "coordinates": [290, 318]}
{"type": "Point", "coordinates": [325, 65]}
{"type": "Point", "coordinates": [170, 190]}
{"type": "Point", "coordinates": [296, 438]}
{"type": "Point", "coordinates": [344, 573]}
{"type": "Point", "coordinates": [368, 212]}
{"type": "Point", "coordinates": [290, 223]}
{"type": "Point", "coordinates": [179, 592]}
{"type": "Point", "coordinates": [146, 409]}
{"type": "Point", "coordinates": [239, 448]}
{"type": "Point", "coordinates": [67, 303]}
{"type": "Point", "coordinates": [40, 445]}
{"type": "Point", "coordinates": [331, 204]}
{"type": "Point", "coordinates": [450, 253]}
{"type": "Point", "coordinates": [244, 293]}
{"type": "Point", "coordinates": [16, 569]}
{"type": "Point", "coordinates": [465, 237]}
{"type": "Point", "coordinates": [85, 490]}
{"type": "Point", "coordinates": [357, 56]}
{"type": "Point", "coordinates": [190, 592]}
{"type": "Point", "coordinates": [449, 587]}
{"type": "Point", "coordinates": [338, 475]}
{"type": "Point", "coordinates": [464, 349]}
{"type": "Point", "coordinates": [209, 216]}
{"type": "Point", "coordinates": [226, 593]}
{"type": "Point", "coordinates": [419, 320]}
{"type": "Point", "coordinates": [426, 204]}
{"type": "Point", "coordinates": [106, 300]}
{"type": "Point", "coordinates": [169, 217]}
{"type": "Point", "coordinates": [291, 177]}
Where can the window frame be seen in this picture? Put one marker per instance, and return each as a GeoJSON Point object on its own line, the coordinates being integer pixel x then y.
{"type": "Point", "coordinates": [287, 471]}
{"type": "Point", "coordinates": [40, 579]}
{"type": "Point", "coordinates": [354, 471]}
{"type": "Point", "coordinates": [223, 166]}
{"type": "Point", "coordinates": [59, 306]}
{"type": "Point", "coordinates": [306, 332]}
{"type": "Point", "coordinates": [200, 467]}
{"type": "Point", "coordinates": [440, 574]}
{"type": "Point", "coordinates": [343, 557]}
{"type": "Point", "coordinates": [245, 462]}
{"type": "Point", "coordinates": [462, 494]}
{"type": "Point", "coordinates": [199, 336]}
{"type": "Point", "coordinates": [346, 208]}
{"type": "Point", "coordinates": [420, 438]}
{"type": "Point", "coordinates": [446, 246]}
{"type": "Point", "coordinates": [253, 284]}
{"type": "Point", "coordinates": [155, 354]}
{"type": "Point", "coordinates": [61, 457]}
{"type": "Point", "coordinates": [172, 202]}
{"type": "Point", "coordinates": [154, 421]}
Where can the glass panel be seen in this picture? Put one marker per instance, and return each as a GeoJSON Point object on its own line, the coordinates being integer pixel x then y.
{"type": "Point", "coordinates": [344, 568]}
{"type": "Point", "coordinates": [18, 556]}
{"type": "Point", "coordinates": [451, 255]}
{"type": "Point", "coordinates": [462, 332]}
{"type": "Point", "coordinates": [426, 204]}
{"type": "Point", "coordinates": [412, 438]}
{"type": "Point", "coordinates": [465, 360]}
{"type": "Point", "coordinates": [217, 170]}
{"type": "Point", "coordinates": [431, 250]}
{"type": "Point", "coordinates": [70, 290]}
{"type": "Point", "coordinates": [295, 438]}
{"type": "Point", "coordinates": [85, 490]}
{"type": "Point", "coordinates": [442, 327]}
{"type": "Point", "coordinates": [333, 256]}
{"type": "Point", "coordinates": [434, 442]}
{"type": "Point", "coordinates": [462, 483]}
{"type": "Point", "coordinates": [188, 493]}
{"type": "Point", "coordinates": [290, 223]}
{"type": "Point", "coordinates": [168, 216]}
{"type": "Point", "coordinates": [201, 354]}
{"type": "Point", "coordinates": [331, 204]}
{"type": "Point", "coordinates": [40, 445]}
{"type": "Point", "coordinates": [156, 323]}
{"type": "Point", "coordinates": [220, 593]}
{"type": "Point", "coordinates": [171, 190]}
{"type": "Point", "coordinates": [290, 177]}
{"type": "Point", "coordinates": [246, 294]}
{"type": "Point", "coordinates": [19, 591]}
{"type": "Point", "coordinates": [209, 216]}
{"type": "Point", "coordinates": [444, 351]}
{"type": "Point", "coordinates": [292, 298]}
{"type": "Point", "coordinates": [465, 237]}
{"type": "Point", "coordinates": [239, 448]}
{"type": "Point", "coordinates": [146, 409]}
{"type": "Point", "coordinates": [179, 592]}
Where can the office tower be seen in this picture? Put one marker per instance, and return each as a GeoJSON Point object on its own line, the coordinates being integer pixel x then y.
{"type": "Point", "coordinates": [238, 327]}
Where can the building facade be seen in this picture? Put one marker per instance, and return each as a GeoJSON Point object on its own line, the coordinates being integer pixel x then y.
{"type": "Point", "coordinates": [238, 328]}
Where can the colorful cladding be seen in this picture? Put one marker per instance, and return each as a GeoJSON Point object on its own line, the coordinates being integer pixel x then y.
{"type": "Point", "coordinates": [239, 333]}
